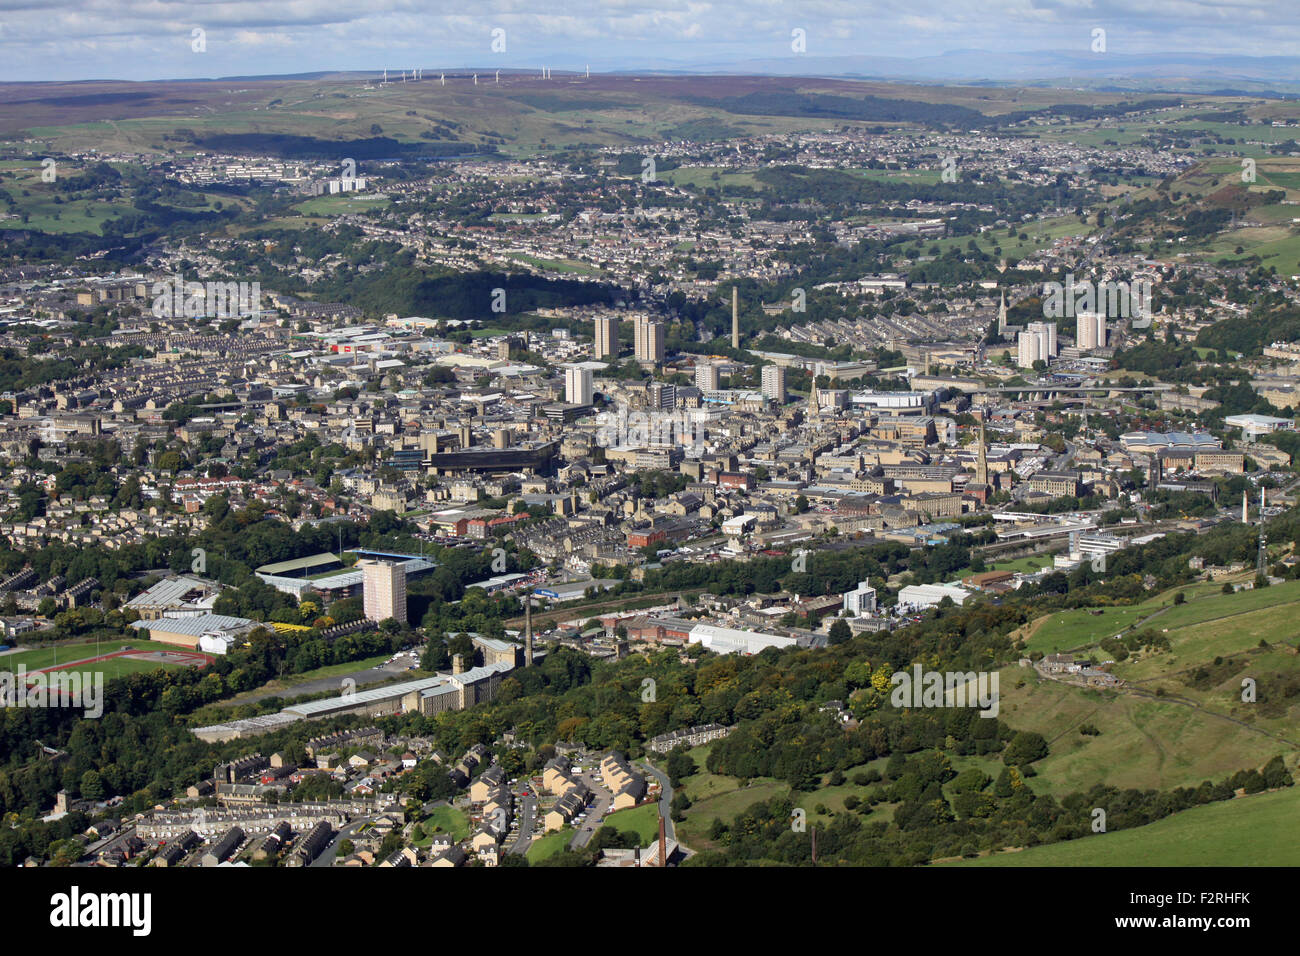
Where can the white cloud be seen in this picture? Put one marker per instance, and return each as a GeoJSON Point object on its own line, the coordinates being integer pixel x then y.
{"type": "Point", "coordinates": [143, 39]}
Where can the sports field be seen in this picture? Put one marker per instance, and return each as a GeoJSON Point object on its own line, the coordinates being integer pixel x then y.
{"type": "Point", "coordinates": [111, 658]}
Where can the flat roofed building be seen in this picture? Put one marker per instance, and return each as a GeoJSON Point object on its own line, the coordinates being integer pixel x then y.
{"type": "Point", "coordinates": [301, 567]}
{"type": "Point", "coordinates": [929, 595]}
{"type": "Point", "coordinates": [384, 591]}
{"type": "Point", "coordinates": [728, 640]}
{"type": "Point", "coordinates": [861, 601]}
{"type": "Point", "coordinates": [606, 336]}
{"type": "Point", "coordinates": [187, 631]}
{"type": "Point", "coordinates": [577, 386]}
{"type": "Point", "coordinates": [1252, 426]}
{"type": "Point", "coordinates": [176, 597]}
{"type": "Point", "coordinates": [706, 377]}
{"type": "Point", "coordinates": [773, 383]}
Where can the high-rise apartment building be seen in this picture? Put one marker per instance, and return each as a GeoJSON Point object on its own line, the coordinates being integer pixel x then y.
{"type": "Point", "coordinates": [606, 336]}
{"type": "Point", "coordinates": [706, 377]}
{"type": "Point", "coordinates": [650, 336]}
{"type": "Point", "coordinates": [774, 383]}
{"type": "Point", "coordinates": [577, 386]}
{"type": "Point", "coordinates": [1038, 341]}
{"type": "Point", "coordinates": [1091, 332]}
{"type": "Point", "coordinates": [384, 591]}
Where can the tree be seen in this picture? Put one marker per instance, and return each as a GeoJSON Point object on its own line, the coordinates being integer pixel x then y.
{"type": "Point", "coordinates": [435, 656]}
{"type": "Point", "coordinates": [1025, 747]}
{"type": "Point", "coordinates": [92, 785]}
{"type": "Point", "coordinates": [678, 765]}
{"type": "Point", "coordinates": [839, 632]}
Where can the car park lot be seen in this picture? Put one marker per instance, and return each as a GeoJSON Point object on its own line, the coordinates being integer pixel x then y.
{"type": "Point", "coordinates": [595, 813]}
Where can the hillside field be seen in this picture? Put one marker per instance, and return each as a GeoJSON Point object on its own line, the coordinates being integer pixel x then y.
{"type": "Point", "coordinates": [1256, 830]}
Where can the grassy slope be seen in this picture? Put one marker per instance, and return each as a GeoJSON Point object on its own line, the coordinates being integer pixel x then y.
{"type": "Point", "coordinates": [643, 821]}
{"type": "Point", "coordinates": [549, 845]}
{"type": "Point", "coordinates": [1078, 628]}
{"type": "Point", "coordinates": [447, 820]}
{"type": "Point", "coordinates": [1240, 832]}
{"type": "Point", "coordinates": [1144, 742]}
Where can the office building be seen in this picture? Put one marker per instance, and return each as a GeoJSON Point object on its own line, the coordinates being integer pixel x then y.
{"type": "Point", "coordinates": [661, 395]}
{"type": "Point", "coordinates": [860, 602]}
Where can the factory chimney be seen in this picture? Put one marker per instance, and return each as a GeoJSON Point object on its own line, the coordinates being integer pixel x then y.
{"type": "Point", "coordinates": [735, 318]}
{"type": "Point", "coordinates": [528, 628]}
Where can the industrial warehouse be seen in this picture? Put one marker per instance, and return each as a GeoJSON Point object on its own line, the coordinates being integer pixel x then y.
{"type": "Point", "coordinates": [430, 695]}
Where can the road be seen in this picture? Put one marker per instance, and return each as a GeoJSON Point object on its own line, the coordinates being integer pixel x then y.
{"type": "Point", "coordinates": [595, 812]}
{"type": "Point", "coordinates": [327, 855]}
{"type": "Point", "coordinates": [665, 801]}
{"type": "Point", "coordinates": [372, 675]}
{"type": "Point", "coordinates": [527, 821]}
{"type": "Point", "coordinates": [116, 840]}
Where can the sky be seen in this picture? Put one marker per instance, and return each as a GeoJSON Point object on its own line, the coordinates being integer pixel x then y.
{"type": "Point", "coordinates": [156, 39]}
